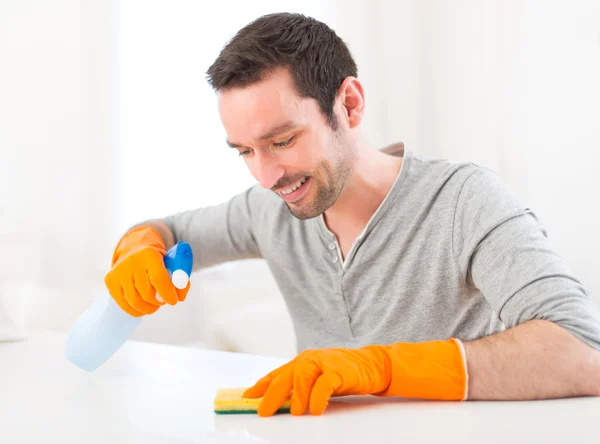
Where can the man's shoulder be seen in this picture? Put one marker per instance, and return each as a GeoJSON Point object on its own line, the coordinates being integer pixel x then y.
{"type": "Point", "coordinates": [450, 184]}
{"type": "Point", "coordinates": [471, 189]}
{"type": "Point", "coordinates": [438, 172]}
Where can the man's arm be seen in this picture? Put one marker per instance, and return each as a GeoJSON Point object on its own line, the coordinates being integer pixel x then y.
{"type": "Point", "coordinates": [534, 360]}
{"type": "Point", "coordinates": [551, 347]}
{"type": "Point", "coordinates": [219, 233]}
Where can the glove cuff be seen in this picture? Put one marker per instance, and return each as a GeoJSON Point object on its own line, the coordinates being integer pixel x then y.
{"type": "Point", "coordinates": [428, 370]}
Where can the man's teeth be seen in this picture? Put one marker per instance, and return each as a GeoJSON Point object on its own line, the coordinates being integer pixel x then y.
{"type": "Point", "coordinates": [295, 187]}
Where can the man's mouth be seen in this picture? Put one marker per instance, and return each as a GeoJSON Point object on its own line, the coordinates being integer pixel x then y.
{"type": "Point", "coordinates": [294, 187]}
{"type": "Point", "coordinates": [296, 191]}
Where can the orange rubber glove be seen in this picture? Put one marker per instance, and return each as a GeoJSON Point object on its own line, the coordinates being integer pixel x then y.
{"type": "Point", "coordinates": [138, 272]}
{"type": "Point", "coordinates": [426, 370]}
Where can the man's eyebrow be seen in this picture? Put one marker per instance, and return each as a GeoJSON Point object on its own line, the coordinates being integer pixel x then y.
{"type": "Point", "coordinates": [280, 129]}
{"type": "Point", "coordinates": [275, 131]}
{"type": "Point", "coordinates": [232, 145]}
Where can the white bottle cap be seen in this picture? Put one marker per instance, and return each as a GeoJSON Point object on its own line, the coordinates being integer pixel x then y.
{"type": "Point", "coordinates": [180, 279]}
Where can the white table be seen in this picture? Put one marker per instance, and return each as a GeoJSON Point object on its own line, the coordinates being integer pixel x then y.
{"type": "Point", "coordinates": [149, 393]}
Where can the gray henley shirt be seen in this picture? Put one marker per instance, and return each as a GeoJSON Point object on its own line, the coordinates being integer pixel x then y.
{"type": "Point", "coordinates": [450, 252]}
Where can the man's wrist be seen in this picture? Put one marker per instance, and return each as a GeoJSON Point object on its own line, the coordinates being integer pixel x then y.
{"type": "Point", "coordinates": [163, 230]}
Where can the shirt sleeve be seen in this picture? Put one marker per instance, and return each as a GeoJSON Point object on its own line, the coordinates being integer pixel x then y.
{"type": "Point", "coordinates": [219, 233]}
{"type": "Point", "coordinates": [501, 248]}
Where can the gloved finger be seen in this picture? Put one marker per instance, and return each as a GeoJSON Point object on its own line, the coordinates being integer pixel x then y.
{"type": "Point", "coordinates": [278, 391]}
{"type": "Point", "coordinates": [261, 386]}
{"type": "Point", "coordinates": [134, 299]}
{"type": "Point", "coordinates": [116, 291]}
{"type": "Point", "coordinates": [326, 384]}
{"type": "Point", "coordinates": [182, 293]}
{"type": "Point", "coordinates": [118, 296]}
{"type": "Point", "coordinates": [305, 375]}
{"type": "Point", "coordinates": [142, 284]}
{"type": "Point", "coordinates": [160, 280]}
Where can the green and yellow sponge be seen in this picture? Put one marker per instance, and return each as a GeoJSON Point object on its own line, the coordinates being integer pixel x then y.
{"type": "Point", "coordinates": [230, 401]}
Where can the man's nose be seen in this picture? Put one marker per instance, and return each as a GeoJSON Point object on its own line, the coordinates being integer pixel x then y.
{"type": "Point", "coordinates": [267, 169]}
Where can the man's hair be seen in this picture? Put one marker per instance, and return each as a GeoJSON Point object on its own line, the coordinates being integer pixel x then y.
{"type": "Point", "coordinates": [316, 57]}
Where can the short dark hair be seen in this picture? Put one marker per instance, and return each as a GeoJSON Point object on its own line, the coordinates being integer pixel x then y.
{"type": "Point", "coordinates": [317, 58]}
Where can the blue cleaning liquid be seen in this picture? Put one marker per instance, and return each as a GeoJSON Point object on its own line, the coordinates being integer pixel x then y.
{"type": "Point", "coordinates": [104, 327]}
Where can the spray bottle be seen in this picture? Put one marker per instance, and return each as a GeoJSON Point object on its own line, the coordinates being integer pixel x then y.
{"type": "Point", "coordinates": [104, 327]}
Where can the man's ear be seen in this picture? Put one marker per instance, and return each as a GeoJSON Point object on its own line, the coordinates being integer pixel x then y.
{"type": "Point", "coordinates": [351, 96]}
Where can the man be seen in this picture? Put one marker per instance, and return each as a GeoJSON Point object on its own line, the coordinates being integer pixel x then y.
{"type": "Point", "coordinates": [404, 276]}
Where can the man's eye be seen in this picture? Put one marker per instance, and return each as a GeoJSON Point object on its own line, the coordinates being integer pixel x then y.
{"type": "Point", "coordinates": [283, 144]}
{"type": "Point", "coordinates": [245, 153]}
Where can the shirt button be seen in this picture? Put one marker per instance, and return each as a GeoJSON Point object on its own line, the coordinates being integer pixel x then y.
{"type": "Point", "coordinates": [331, 246]}
{"type": "Point", "coordinates": [335, 259]}
{"type": "Point", "coordinates": [340, 273]}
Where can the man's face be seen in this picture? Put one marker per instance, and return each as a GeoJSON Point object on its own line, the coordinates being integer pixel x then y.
{"type": "Point", "coordinates": [287, 143]}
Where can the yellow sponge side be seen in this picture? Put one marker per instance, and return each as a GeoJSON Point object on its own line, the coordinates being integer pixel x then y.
{"type": "Point", "coordinates": [230, 400]}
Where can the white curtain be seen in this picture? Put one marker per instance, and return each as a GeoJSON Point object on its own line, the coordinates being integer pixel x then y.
{"type": "Point", "coordinates": [56, 166]}
{"type": "Point", "coordinates": [106, 119]}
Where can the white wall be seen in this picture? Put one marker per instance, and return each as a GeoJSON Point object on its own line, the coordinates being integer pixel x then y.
{"type": "Point", "coordinates": [56, 157]}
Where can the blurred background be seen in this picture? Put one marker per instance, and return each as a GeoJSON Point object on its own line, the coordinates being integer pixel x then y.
{"type": "Point", "coordinates": [106, 120]}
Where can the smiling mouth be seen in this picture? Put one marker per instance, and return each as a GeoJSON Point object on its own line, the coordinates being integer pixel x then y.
{"type": "Point", "coordinates": [296, 191]}
{"type": "Point", "coordinates": [294, 187]}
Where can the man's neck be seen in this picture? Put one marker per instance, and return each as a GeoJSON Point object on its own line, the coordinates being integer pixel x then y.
{"type": "Point", "coordinates": [373, 176]}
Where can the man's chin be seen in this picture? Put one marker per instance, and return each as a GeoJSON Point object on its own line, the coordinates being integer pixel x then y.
{"type": "Point", "coordinates": [302, 212]}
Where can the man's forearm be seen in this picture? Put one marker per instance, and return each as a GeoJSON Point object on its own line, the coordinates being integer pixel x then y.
{"type": "Point", "coordinates": [162, 228]}
{"type": "Point", "coordinates": [535, 360]}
